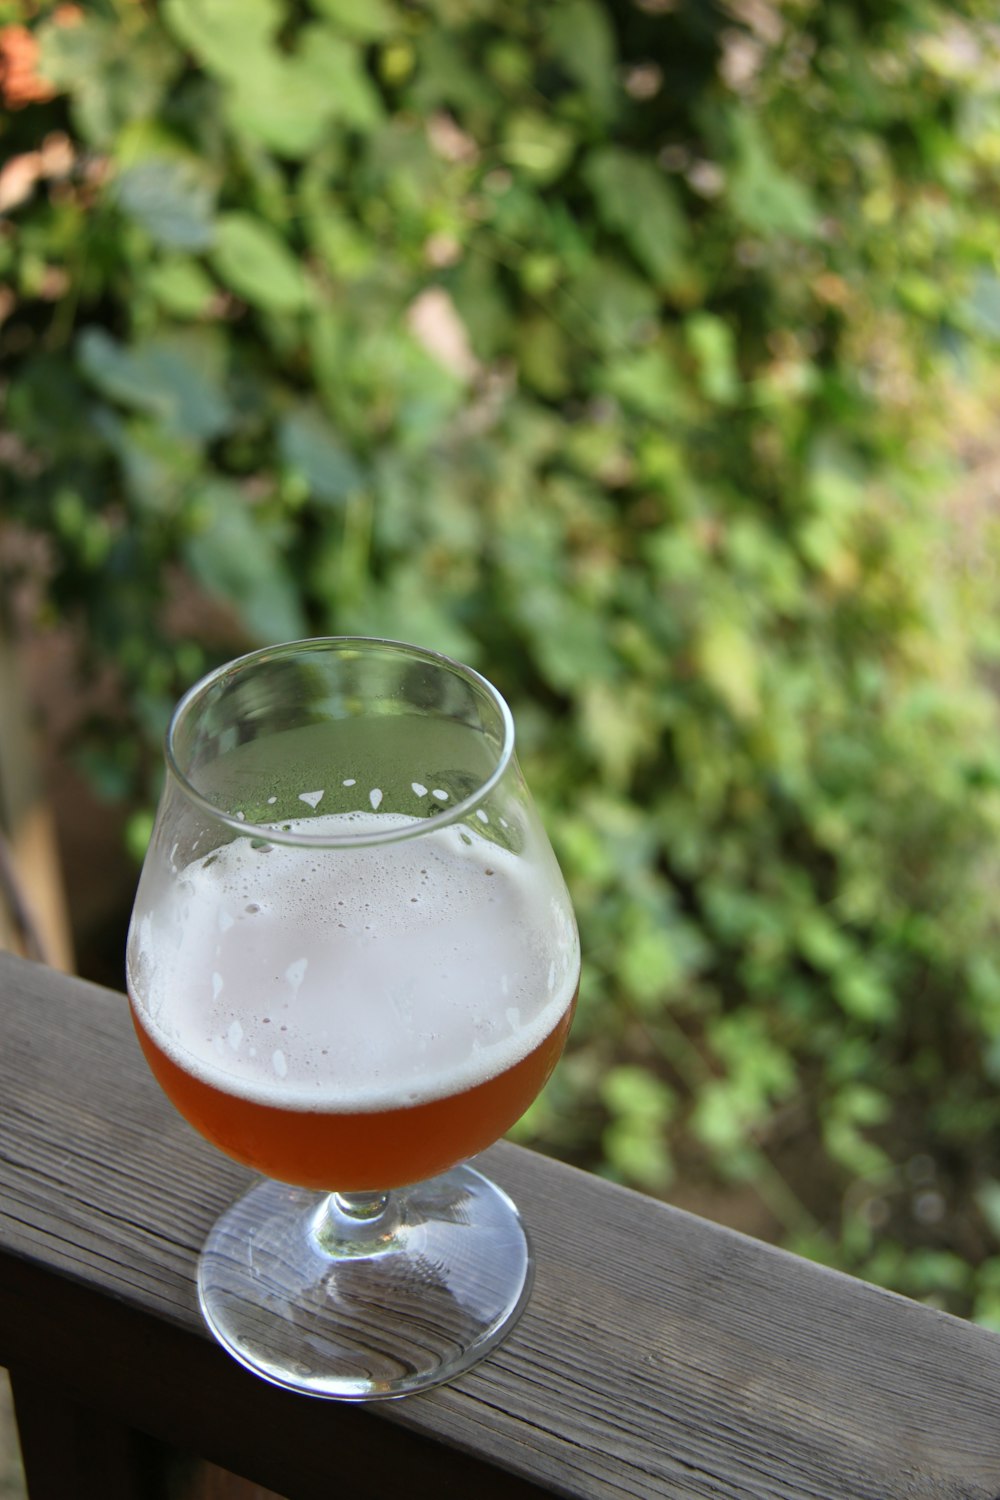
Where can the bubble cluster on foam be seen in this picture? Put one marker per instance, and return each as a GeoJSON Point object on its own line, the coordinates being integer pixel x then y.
{"type": "Point", "coordinates": [355, 978]}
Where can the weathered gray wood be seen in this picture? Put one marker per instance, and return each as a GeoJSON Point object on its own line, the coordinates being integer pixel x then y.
{"type": "Point", "coordinates": [660, 1356]}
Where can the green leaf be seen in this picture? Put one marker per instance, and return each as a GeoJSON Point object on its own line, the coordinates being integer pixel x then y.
{"type": "Point", "coordinates": [582, 38]}
{"type": "Point", "coordinates": [620, 726]}
{"type": "Point", "coordinates": [447, 75]}
{"type": "Point", "coordinates": [337, 66]}
{"type": "Point", "coordinates": [641, 1106]}
{"type": "Point", "coordinates": [568, 640]}
{"type": "Point", "coordinates": [276, 102]}
{"type": "Point", "coordinates": [760, 1068]}
{"type": "Point", "coordinates": [181, 286]}
{"type": "Point", "coordinates": [112, 81]}
{"type": "Point", "coordinates": [585, 853]}
{"type": "Point", "coordinates": [288, 100]}
{"type": "Point", "coordinates": [311, 448]}
{"type": "Point", "coordinates": [223, 34]}
{"type": "Point", "coordinates": [848, 1147]}
{"type": "Point", "coordinates": [172, 198]}
{"type": "Point", "coordinates": [719, 1118]}
{"type": "Point", "coordinates": [369, 21]}
{"type": "Point", "coordinates": [934, 1271]}
{"type": "Point", "coordinates": [543, 355]}
{"type": "Point", "coordinates": [729, 662]}
{"type": "Point", "coordinates": [865, 995]}
{"type": "Point", "coordinates": [537, 145]}
{"type": "Point", "coordinates": [237, 558]}
{"type": "Point", "coordinates": [648, 382]}
{"type": "Point", "coordinates": [404, 609]}
{"type": "Point", "coordinates": [156, 467]}
{"type": "Point", "coordinates": [651, 967]}
{"type": "Point", "coordinates": [256, 263]}
{"type": "Point", "coordinates": [610, 307]}
{"type": "Point", "coordinates": [635, 199]}
{"type": "Point", "coordinates": [74, 57]}
{"type": "Point", "coordinates": [713, 344]}
{"type": "Point", "coordinates": [822, 942]}
{"type": "Point", "coordinates": [171, 378]}
{"type": "Point", "coordinates": [863, 1105]}
{"type": "Point", "coordinates": [641, 1156]}
{"type": "Point", "coordinates": [344, 247]}
{"type": "Point", "coordinates": [767, 199]}
{"type": "Point", "coordinates": [924, 295]}
{"type": "Point", "coordinates": [630, 1090]}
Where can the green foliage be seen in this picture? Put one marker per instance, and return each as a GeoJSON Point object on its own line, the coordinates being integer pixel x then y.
{"type": "Point", "coordinates": [613, 347]}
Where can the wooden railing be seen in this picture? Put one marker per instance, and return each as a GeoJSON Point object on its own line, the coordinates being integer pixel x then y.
{"type": "Point", "coordinates": [660, 1355]}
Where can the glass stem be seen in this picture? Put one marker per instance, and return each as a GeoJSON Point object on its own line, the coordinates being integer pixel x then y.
{"type": "Point", "coordinates": [357, 1224]}
{"type": "Point", "coordinates": [361, 1206]}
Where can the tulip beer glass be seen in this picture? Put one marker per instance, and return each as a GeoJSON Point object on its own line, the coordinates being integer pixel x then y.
{"type": "Point", "coordinates": [352, 965]}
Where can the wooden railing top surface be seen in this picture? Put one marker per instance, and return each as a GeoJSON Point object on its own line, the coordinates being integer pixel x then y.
{"type": "Point", "coordinates": [660, 1356]}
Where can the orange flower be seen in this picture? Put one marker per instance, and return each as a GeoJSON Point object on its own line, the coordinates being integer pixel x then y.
{"type": "Point", "coordinates": [19, 80]}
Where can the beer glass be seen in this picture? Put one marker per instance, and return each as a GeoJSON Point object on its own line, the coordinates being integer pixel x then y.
{"type": "Point", "coordinates": [352, 965]}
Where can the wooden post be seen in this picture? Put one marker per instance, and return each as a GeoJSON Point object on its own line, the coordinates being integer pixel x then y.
{"type": "Point", "coordinates": [33, 916]}
{"type": "Point", "coordinates": [67, 1449]}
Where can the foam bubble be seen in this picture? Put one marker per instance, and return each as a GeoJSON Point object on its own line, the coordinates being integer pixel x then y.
{"type": "Point", "coordinates": [296, 972]}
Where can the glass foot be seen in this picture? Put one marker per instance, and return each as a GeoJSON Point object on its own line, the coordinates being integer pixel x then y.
{"type": "Point", "coordinates": [362, 1297]}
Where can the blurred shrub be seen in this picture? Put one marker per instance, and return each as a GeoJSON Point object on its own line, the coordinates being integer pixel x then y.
{"type": "Point", "coordinates": [614, 348]}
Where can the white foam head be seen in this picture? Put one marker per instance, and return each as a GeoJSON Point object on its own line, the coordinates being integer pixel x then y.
{"type": "Point", "coordinates": [354, 978]}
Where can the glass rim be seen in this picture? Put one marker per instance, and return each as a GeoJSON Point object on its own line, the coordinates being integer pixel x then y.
{"type": "Point", "coordinates": [412, 828]}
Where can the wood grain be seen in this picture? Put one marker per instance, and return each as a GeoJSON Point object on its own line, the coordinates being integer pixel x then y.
{"type": "Point", "coordinates": [660, 1356]}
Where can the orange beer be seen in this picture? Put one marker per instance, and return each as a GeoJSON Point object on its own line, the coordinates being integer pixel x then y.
{"type": "Point", "coordinates": [354, 1019]}
{"type": "Point", "coordinates": [359, 1150]}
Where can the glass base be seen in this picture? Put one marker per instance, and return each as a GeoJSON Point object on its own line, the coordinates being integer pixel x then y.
{"type": "Point", "coordinates": [363, 1296]}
